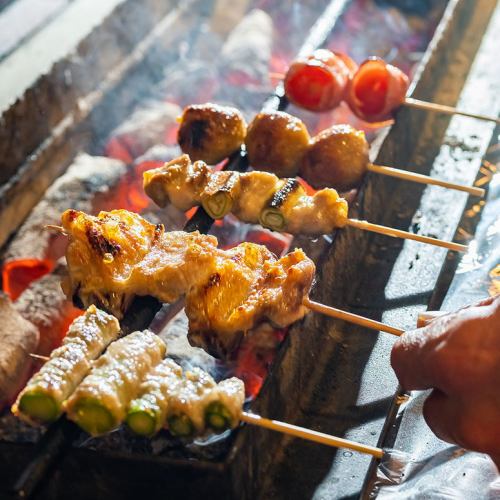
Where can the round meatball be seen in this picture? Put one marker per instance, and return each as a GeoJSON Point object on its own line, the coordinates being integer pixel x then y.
{"type": "Point", "coordinates": [337, 157]}
{"type": "Point", "coordinates": [276, 142]}
{"type": "Point", "coordinates": [210, 132]}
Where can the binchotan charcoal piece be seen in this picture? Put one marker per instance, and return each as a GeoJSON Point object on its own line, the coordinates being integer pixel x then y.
{"type": "Point", "coordinates": [90, 183]}
{"type": "Point", "coordinates": [44, 304]}
{"type": "Point", "coordinates": [18, 338]}
{"type": "Point", "coordinates": [146, 127]}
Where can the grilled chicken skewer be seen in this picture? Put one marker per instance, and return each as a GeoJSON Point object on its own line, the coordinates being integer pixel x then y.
{"type": "Point", "coordinates": [260, 197]}
{"type": "Point", "coordinates": [234, 291]}
{"type": "Point", "coordinates": [42, 399]}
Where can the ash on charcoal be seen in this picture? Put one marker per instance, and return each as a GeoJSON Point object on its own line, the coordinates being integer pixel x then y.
{"type": "Point", "coordinates": [155, 122]}
{"type": "Point", "coordinates": [88, 183]}
{"type": "Point", "coordinates": [18, 339]}
{"type": "Point", "coordinates": [44, 304]}
{"type": "Point", "coordinates": [248, 47]}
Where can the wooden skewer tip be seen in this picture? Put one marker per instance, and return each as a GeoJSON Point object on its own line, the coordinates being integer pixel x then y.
{"type": "Point", "coordinates": [398, 233]}
{"type": "Point", "coordinates": [310, 435]}
{"type": "Point", "coordinates": [448, 110]}
{"type": "Point", "coordinates": [424, 179]}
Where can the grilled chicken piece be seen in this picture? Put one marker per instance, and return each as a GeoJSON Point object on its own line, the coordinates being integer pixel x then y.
{"type": "Point", "coordinates": [99, 404]}
{"type": "Point", "coordinates": [292, 210]}
{"type": "Point", "coordinates": [249, 285]}
{"type": "Point", "coordinates": [253, 197]}
{"type": "Point", "coordinates": [117, 255]}
{"type": "Point", "coordinates": [18, 338]}
{"type": "Point", "coordinates": [178, 182]}
{"type": "Point", "coordinates": [210, 132]}
{"type": "Point", "coordinates": [42, 398]}
{"type": "Point", "coordinates": [276, 142]}
{"type": "Point", "coordinates": [338, 157]}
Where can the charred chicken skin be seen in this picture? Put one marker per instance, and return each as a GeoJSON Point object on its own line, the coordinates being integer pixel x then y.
{"type": "Point", "coordinates": [254, 197]}
{"type": "Point", "coordinates": [210, 132]}
{"type": "Point", "coordinates": [249, 285]}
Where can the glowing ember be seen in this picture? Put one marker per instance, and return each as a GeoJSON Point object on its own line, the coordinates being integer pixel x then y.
{"type": "Point", "coordinates": [17, 275]}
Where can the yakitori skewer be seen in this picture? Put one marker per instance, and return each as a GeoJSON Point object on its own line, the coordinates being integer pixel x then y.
{"type": "Point", "coordinates": [134, 383]}
{"type": "Point", "coordinates": [278, 142]}
{"type": "Point", "coordinates": [373, 91]}
{"type": "Point", "coordinates": [261, 198]}
{"type": "Point", "coordinates": [118, 255]}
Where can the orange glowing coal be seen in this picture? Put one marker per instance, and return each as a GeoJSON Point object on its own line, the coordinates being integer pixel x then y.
{"type": "Point", "coordinates": [17, 275]}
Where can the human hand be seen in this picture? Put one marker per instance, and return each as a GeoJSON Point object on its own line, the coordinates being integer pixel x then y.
{"type": "Point", "coordinates": [458, 356]}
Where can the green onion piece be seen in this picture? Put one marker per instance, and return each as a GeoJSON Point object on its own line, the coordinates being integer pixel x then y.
{"type": "Point", "coordinates": [93, 417]}
{"type": "Point", "coordinates": [141, 422]}
{"type": "Point", "coordinates": [180, 425]}
{"type": "Point", "coordinates": [218, 205]}
{"type": "Point", "coordinates": [273, 219]}
{"type": "Point", "coordinates": [217, 416]}
{"type": "Point", "coordinates": [39, 407]}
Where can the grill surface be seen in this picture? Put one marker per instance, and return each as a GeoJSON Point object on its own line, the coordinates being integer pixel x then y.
{"type": "Point", "coordinates": [328, 376]}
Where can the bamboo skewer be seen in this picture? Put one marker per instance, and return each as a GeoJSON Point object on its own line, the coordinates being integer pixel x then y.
{"type": "Point", "coordinates": [375, 228]}
{"type": "Point", "coordinates": [310, 435]}
{"type": "Point", "coordinates": [398, 233]}
{"type": "Point", "coordinates": [351, 318]}
{"type": "Point", "coordinates": [423, 179]}
{"type": "Point", "coordinates": [448, 110]}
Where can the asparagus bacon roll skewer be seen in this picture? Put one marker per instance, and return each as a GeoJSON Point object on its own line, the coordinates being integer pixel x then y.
{"type": "Point", "coordinates": [186, 403]}
{"type": "Point", "coordinates": [148, 412]}
{"type": "Point", "coordinates": [225, 410]}
{"type": "Point", "coordinates": [186, 412]}
{"type": "Point", "coordinates": [42, 399]}
{"type": "Point", "coordinates": [100, 402]}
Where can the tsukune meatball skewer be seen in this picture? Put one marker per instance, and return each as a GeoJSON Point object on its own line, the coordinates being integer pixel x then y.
{"type": "Point", "coordinates": [278, 142]}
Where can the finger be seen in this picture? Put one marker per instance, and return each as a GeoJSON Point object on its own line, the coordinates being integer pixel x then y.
{"type": "Point", "coordinates": [412, 358]}
{"type": "Point", "coordinates": [442, 416]}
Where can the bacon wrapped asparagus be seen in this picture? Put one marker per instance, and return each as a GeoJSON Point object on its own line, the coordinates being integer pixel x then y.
{"type": "Point", "coordinates": [99, 404]}
{"type": "Point", "coordinates": [254, 197]}
{"type": "Point", "coordinates": [42, 399]}
{"type": "Point", "coordinates": [184, 403]}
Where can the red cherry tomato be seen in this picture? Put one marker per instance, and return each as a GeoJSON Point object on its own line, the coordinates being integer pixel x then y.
{"type": "Point", "coordinates": [318, 82]}
{"type": "Point", "coordinates": [376, 90]}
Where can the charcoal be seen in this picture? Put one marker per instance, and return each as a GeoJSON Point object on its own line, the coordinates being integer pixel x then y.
{"type": "Point", "coordinates": [88, 184]}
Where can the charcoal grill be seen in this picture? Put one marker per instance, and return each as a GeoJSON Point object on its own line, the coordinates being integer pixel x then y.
{"type": "Point", "coordinates": [327, 375]}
